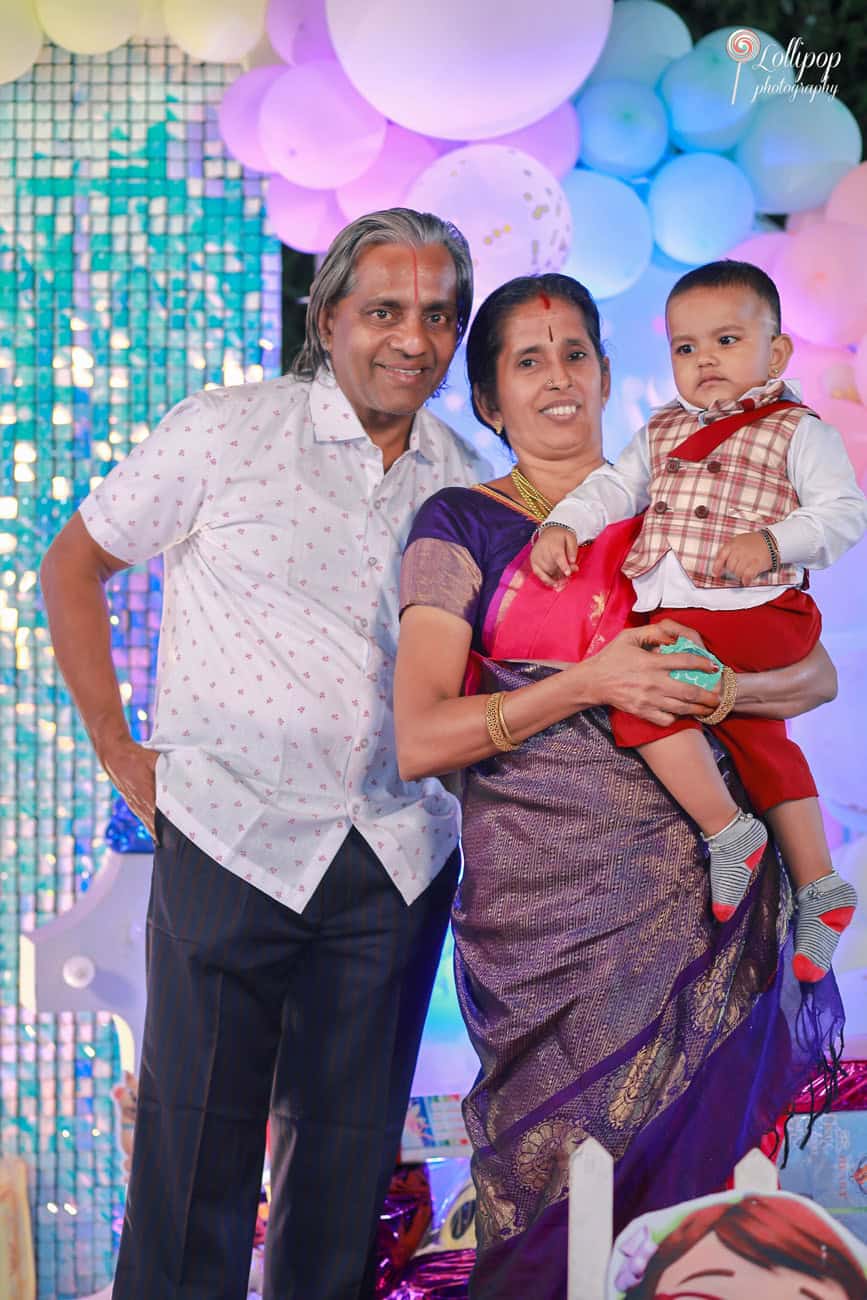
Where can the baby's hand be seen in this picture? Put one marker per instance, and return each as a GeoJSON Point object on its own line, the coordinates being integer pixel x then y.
{"type": "Point", "coordinates": [744, 557]}
{"type": "Point", "coordinates": [554, 554]}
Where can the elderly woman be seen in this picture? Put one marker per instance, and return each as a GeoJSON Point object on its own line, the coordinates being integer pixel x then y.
{"type": "Point", "coordinates": [599, 993]}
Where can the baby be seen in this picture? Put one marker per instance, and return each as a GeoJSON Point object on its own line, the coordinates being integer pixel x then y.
{"type": "Point", "coordinates": [745, 489]}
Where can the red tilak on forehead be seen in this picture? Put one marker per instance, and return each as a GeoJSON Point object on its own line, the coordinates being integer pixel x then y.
{"type": "Point", "coordinates": [414, 275]}
{"type": "Point", "coordinates": [545, 300]}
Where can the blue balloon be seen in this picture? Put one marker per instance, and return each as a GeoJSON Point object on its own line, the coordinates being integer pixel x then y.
{"type": "Point", "coordinates": [771, 61]}
{"type": "Point", "coordinates": [700, 206]}
{"type": "Point", "coordinates": [797, 149]}
{"type": "Point", "coordinates": [643, 39]}
{"type": "Point", "coordinates": [624, 130]}
{"type": "Point", "coordinates": [706, 110]}
{"type": "Point", "coordinates": [612, 241]}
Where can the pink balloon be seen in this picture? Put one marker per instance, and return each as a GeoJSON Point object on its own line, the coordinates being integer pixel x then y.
{"type": "Point", "coordinates": [851, 419]}
{"type": "Point", "coordinates": [823, 373]}
{"type": "Point", "coordinates": [298, 30]}
{"type": "Point", "coordinates": [404, 156]}
{"type": "Point", "coordinates": [554, 141]}
{"type": "Point", "coordinates": [796, 221]}
{"type": "Point", "coordinates": [239, 115]}
{"type": "Point", "coordinates": [860, 368]}
{"type": "Point", "coordinates": [762, 250]}
{"type": "Point", "coordinates": [315, 128]}
{"type": "Point", "coordinates": [848, 199]}
{"type": "Point", "coordinates": [304, 219]}
{"type": "Point", "coordinates": [822, 277]}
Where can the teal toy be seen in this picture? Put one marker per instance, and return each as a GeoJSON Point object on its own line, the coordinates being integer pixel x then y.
{"type": "Point", "coordinates": [707, 681]}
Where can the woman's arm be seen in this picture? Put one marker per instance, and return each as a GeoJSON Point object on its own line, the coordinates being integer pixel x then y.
{"type": "Point", "coordinates": [786, 692]}
{"type": "Point", "coordinates": [440, 731]}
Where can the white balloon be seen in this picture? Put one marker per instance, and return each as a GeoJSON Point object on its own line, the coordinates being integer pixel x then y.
{"type": "Point", "coordinates": [89, 26]}
{"type": "Point", "coordinates": [612, 240]}
{"type": "Point", "coordinates": [467, 71]}
{"type": "Point", "coordinates": [511, 209]}
{"type": "Point", "coordinates": [215, 31]}
{"type": "Point", "coordinates": [22, 38]}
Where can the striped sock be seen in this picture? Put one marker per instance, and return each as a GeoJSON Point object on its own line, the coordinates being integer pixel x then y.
{"type": "Point", "coordinates": [735, 852]}
{"type": "Point", "coordinates": [825, 908]}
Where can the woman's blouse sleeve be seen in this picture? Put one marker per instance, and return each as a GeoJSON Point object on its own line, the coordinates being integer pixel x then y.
{"type": "Point", "coordinates": [441, 563]}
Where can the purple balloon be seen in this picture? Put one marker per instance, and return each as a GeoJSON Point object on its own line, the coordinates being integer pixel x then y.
{"type": "Point", "coordinates": [554, 141]}
{"type": "Point", "coordinates": [404, 156]}
{"type": "Point", "coordinates": [298, 30]}
{"type": "Point", "coordinates": [239, 115]}
{"type": "Point", "coordinates": [316, 129]}
{"type": "Point", "coordinates": [304, 219]}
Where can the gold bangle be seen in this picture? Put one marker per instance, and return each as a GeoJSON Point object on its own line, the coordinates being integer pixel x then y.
{"type": "Point", "coordinates": [728, 698]}
{"type": "Point", "coordinates": [501, 718]}
{"type": "Point", "coordinates": [496, 729]}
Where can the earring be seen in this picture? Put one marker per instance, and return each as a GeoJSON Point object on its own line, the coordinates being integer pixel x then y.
{"type": "Point", "coordinates": [774, 371]}
{"type": "Point", "coordinates": [498, 427]}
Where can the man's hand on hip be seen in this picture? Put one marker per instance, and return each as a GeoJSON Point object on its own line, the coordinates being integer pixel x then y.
{"type": "Point", "coordinates": [131, 768]}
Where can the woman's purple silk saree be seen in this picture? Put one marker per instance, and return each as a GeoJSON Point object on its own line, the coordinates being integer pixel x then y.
{"type": "Point", "coordinates": [601, 996]}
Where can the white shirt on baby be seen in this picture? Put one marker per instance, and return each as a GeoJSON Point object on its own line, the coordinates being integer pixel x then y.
{"type": "Point", "coordinates": [282, 540]}
{"type": "Point", "coordinates": [831, 517]}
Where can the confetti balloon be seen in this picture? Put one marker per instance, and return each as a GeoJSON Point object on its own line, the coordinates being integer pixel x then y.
{"type": "Point", "coordinates": [511, 209]}
{"type": "Point", "coordinates": [467, 71]}
{"type": "Point", "coordinates": [554, 141]}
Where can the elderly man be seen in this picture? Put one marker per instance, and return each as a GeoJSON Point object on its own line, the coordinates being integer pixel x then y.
{"type": "Point", "coordinates": [300, 889]}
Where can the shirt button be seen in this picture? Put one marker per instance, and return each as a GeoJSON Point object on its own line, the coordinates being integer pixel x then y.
{"type": "Point", "coordinates": [714, 466]}
{"type": "Point", "coordinates": [362, 744]}
{"type": "Point", "coordinates": [372, 561]}
{"type": "Point", "coordinates": [361, 623]}
{"type": "Point", "coordinates": [660, 507]}
{"type": "Point", "coordinates": [701, 512]}
{"type": "Point", "coordinates": [672, 465]}
{"type": "Point", "coordinates": [377, 505]}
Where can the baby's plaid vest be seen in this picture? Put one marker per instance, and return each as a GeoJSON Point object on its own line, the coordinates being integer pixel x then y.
{"type": "Point", "coordinates": [697, 506]}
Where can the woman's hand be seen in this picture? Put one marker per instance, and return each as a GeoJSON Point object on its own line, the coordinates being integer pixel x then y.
{"type": "Point", "coordinates": [628, 675]}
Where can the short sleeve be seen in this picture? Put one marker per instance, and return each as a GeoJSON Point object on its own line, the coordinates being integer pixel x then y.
{"type": "Point", "coordinates": [441, 563]}
{"type": "Point", "coordinates": [156, 496]}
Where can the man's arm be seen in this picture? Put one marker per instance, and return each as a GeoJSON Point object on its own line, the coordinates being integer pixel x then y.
{"type": "Point", "coordinates": [73, 576]}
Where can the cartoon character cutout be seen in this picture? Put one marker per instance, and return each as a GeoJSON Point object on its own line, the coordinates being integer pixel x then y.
{"type": "Point", "coordinates": [738, 1247]}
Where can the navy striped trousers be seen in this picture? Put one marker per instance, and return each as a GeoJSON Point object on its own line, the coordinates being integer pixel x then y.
{"type": "Point", "coordinates": [252, 1008]}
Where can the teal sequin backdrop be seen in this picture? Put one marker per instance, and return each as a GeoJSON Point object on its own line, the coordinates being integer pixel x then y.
{"type": "Point", "coordinates": [134, 269]}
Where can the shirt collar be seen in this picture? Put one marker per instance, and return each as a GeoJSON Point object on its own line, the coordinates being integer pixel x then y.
{"type": "Point", "coordinates": [334, 419]}
{"type": "Point", "coordinates": [775, 390]}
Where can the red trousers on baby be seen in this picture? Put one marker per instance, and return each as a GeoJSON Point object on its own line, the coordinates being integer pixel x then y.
{"type": "Point", "coordinates": [780, 632]}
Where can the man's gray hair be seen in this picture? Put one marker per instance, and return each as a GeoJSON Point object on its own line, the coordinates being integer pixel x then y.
{"type": "Point", "coordinates": [335, 277]}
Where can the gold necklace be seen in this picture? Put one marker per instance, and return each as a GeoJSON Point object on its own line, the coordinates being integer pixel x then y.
{"type": "Point", "coordinates": [538, 505]}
